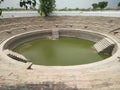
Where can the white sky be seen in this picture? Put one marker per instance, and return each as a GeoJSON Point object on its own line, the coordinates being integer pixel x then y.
{"type": "Point", "coordinates": [64, 3]}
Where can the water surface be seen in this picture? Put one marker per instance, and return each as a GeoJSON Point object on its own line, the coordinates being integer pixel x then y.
{"type": "Point", "coordinates": [64, 51]}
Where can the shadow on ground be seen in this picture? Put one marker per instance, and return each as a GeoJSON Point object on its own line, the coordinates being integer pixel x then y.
{"type": "Point", "coordinates": [40, 86]}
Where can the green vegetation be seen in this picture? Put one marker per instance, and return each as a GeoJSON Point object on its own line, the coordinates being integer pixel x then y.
{"type": "Point", "coordinates": [95, 6]}
{"type": "Point", "coordinates": [46, 7]}
{"type": "Point", "coordinates": [0, 12]}
{"type": "Point", "coordinates": [119, 4]}
{"type": "Point", "coordinates": [72, 9]}
{"type": "Point", "coordinates": [102, 4]}
{"type": "Point", "coordinates": [1, 1]}
{"type": "Point", "coordinates": [0, 8]}
{"type": "Point", "coordinates": [25, 4]}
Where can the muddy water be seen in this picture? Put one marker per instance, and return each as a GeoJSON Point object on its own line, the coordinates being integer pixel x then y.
{"type": "Point", "coordinates": [62, 52]}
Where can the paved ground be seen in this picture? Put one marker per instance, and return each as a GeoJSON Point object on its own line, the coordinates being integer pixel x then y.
{"type": "Point", "coordinates": [100, 77]}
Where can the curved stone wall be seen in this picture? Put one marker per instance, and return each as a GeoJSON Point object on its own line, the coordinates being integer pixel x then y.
{"type": "Point", "coordinates": [21, 38]}
{"type": "Point", "coordinates": [12, 42]}
{"type": "Point", "coordinates": [83, 34]}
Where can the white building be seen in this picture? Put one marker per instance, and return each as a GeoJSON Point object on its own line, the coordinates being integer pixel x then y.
{"type": "Point", "coordinates": [64, 3]}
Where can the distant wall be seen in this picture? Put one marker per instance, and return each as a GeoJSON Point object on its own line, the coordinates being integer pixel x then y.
{"type": "Point", "coordinates": [64, 3]}
{"type": "Point", "coordinates": [12, 14]}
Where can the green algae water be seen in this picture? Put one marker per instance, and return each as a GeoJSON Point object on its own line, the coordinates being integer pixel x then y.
{"type": "Point", "coordinates": [62, 52]}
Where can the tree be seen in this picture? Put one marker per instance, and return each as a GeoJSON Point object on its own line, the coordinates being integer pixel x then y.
{"type": "Point", "coordinates": [25, 3]}
{"type": "Point", "coordinates": [0, 8]}
{"type": "Point", "coordinates": [95, 6]}
{"type": "Point", "coordinates": [0, 11]}
{"type": "Point", "coordinates": [119, 4]}
{"type": "Point", "coordinates": [102, 4]}
{"type": "Point", "coordinates": [46, 7]}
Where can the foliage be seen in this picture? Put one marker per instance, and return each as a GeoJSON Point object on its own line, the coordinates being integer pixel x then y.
{"type": "Point", "coordinates": [0, 12]}
{"type": "Point", "coordinates": [25, 3]}
{"type": "Point", "coordinates": [46, 7]}
{"type": "Point", "coordinates": [1, 1]}
{"type": "Point", "coordinates": [0, 8]}
{"type": "Point", "coordinates": [119, 4]}
{"type": "Point", "coordinates": [102, 4]}
{"type": "Point", "coordinates": [77, 9]}
{"type": "Point", "coordinates": [95, 6]}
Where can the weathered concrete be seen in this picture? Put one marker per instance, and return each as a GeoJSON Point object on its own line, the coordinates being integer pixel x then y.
{"type": "Point", "coordinates": [55, 34]}
{"type": "Point", "coordinates": [105, 45]}
{"type": "Point", "coordinates": [78, 33]}
{"type": "Point", "coordinates": [13, 14]}
{"type": "Point", "coordinates": [15, 55]}
{"type": "Point", "coordinates": [103, 75]}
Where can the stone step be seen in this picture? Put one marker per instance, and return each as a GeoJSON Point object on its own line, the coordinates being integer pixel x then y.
{"type": "Point", "coordinates": [104, 44]}
{"type": "Point", "coordinates": [55, 34]}
{"type": "Point", "coordinates": [28, 65]}
{"type": "Point", "coordinates": [15, 55]}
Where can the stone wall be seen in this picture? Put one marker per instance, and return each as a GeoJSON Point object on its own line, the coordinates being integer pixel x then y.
{"type": "Point", "coordinates": [21, 38]}
{"type": "Point", "coordinates": [13, 14]}
{"type": "Point", "coordinates": [14, 41]}
{"type": "Point", "coordinates": [95, 37]}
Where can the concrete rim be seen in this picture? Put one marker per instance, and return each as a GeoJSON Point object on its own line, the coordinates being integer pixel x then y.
{"type": "Point", "coordinates": [94, 64]}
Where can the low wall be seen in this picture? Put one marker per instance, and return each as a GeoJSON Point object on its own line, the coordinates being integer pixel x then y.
{"type": "Point", "coordinates": [87, 35]}
{"type": "Point", "coordinates": [14, 41]}
{"type": "Point", "coordinates": [21, 38]}
{"type": "Point", "coordinates": [87, 13]}
{"type": "Point", "coordinates": [12, 14]}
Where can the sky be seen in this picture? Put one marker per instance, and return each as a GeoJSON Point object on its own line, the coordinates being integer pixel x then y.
{"type": "Point", "coordinates": [64, 3]}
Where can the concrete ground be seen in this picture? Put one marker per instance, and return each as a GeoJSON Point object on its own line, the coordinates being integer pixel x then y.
{"type": "Point", "coordinates": [97, 77]}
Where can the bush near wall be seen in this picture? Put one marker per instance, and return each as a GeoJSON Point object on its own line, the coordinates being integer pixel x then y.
{"type": "Point", "coordinates": [99, 5]}
{"type": "Point", "coordinates": [0, 12]}
{"type": "Point", "coordinates": [31, 3]}
{"type": "Point", "coordinates": [95, 6]}
{"type": "Point", "coordinates": [119, 4]}
{"type": "Point", "coordinates": [46, 7]}
{"type": "Point", "coordinates": [102, 5]}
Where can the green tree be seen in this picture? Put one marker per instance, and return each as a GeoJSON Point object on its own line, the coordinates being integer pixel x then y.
{"type": "Point", "coordinates": [102, 4]}
{"type": "Point", "coordinates": [95, 6]}
{"type": "Point", "coordinates": [0, 8]}
{"type": "Point", "coordinates": [119, 4]}
{"type": "Point", "coordinates": [46, 7]}
{"type": "Point", "coordinates": [0, 11]}
{"type": "Point", "coordinates": [25, 3]}
{"type": "Point", "coordinates": [1, 1]}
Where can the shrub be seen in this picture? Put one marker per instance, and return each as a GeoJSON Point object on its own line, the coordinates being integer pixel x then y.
{"type": "Point", "coordinates": [0, 8]}
{"type": "Point", "coordinates": [46, 7]}
{"type": "Point", "coordinates": [0, 12]}
{"type": "Point", "coordinates": [1, 1]}
{"type": "Point", "coordinates": [119, 4]}
{"type": "Point", "coordinates": [25, 3]}
{"type": "Point", "coordinates": [77, 9]}
{"type": "Point", "coordinates": [95, 6]}
{"type": "Point", "coordinates": [102, 4]}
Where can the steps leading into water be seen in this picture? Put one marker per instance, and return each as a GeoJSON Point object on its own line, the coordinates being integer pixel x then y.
{"type": "Point", "coordinates": [15, 55]}
{"type": "Point", "coordinates": [55, 34]}
{"type": "Point", "coordinates": [104, 45]}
